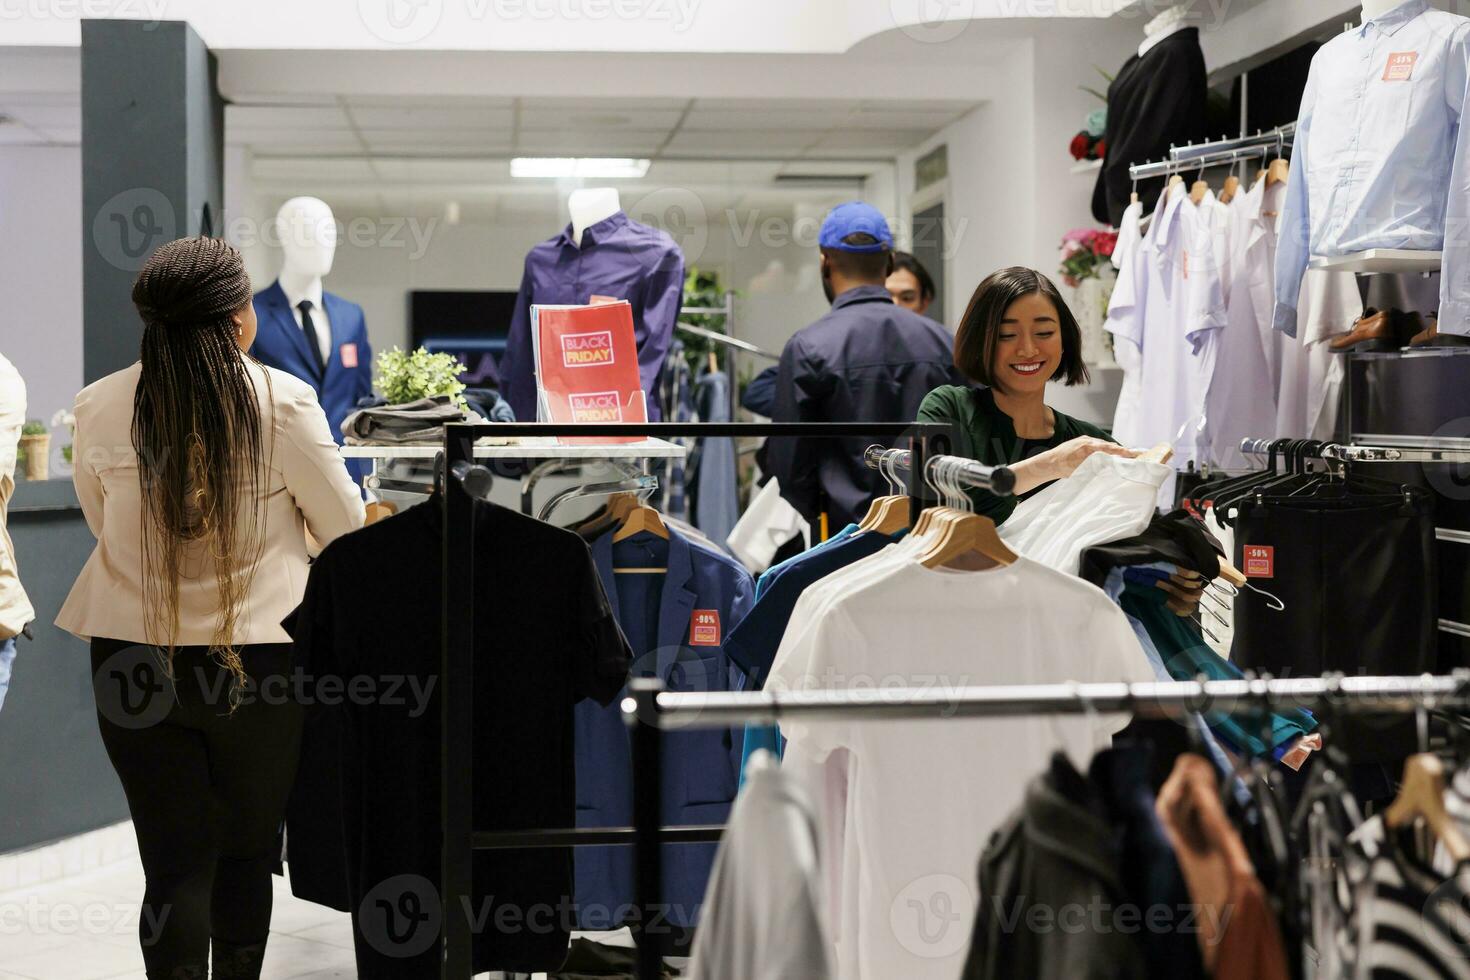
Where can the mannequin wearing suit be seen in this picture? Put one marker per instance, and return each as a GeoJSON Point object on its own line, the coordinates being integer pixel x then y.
{"type": "Point", "coordinates": [336, 359]}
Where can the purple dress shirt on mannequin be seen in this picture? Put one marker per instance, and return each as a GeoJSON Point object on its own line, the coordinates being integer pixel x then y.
{"type": "Point", "coordinates": [618, 258]}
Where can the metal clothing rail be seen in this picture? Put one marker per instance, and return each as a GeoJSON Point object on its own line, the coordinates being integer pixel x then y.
{"type": "Point", "coordinates": [649, 710]}
{"type": "Point", "coordinates": [727, 340]}
{"type": "Point", "coordinates": [999, 480]}
{"type": "Point", "coordinates": [1197, 156]}
{"type": "Point", "coordinates": [1354, 453]}
{"type": "Point", "coordinates": [467, 481]}
{"type": "Point", "coordinates": [1279, 136]}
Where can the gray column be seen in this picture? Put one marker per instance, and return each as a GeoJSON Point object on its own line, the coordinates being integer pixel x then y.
{"type": "Point", "coordinates": [152, 167]}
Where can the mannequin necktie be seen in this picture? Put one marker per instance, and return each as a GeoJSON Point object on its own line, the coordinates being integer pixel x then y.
{"type": "Point", "coordinates": [309, 328]}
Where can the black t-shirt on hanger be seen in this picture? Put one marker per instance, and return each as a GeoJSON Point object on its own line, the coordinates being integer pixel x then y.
{"type": "Point", "coordinates": [1154, 101]}
{"type": "Point", "coordinates": [368, 633]}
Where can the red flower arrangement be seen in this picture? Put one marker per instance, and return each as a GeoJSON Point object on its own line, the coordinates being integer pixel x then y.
{"type": "Point", "coordinates": [1084, 252]}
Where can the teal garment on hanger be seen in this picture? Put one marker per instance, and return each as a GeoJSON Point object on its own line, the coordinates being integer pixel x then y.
{"type": "Point", "coordinates": [1186, 656]}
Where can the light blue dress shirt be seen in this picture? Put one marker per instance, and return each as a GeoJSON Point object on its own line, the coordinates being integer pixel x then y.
{"type": "Point", "coordinates": [1379, 160]}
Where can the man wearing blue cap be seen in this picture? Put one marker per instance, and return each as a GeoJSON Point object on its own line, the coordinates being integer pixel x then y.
{"type": "Point", "coordinates": [868, 360]}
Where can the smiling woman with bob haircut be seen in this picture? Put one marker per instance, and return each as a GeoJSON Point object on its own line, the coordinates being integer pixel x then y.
{"type": "Point", "coordinates": [1016, 335]}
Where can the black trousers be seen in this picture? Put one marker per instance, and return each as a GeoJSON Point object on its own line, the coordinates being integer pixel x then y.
{"type": "Point", "coordinates": [207, 789]}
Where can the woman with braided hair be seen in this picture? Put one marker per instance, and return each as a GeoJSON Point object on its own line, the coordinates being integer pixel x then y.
{"type": "Point", "coordinates": [200, 472]}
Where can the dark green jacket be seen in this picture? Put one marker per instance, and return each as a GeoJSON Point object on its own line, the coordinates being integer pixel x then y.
{"type": "Point", "coordinates": [981, 431]}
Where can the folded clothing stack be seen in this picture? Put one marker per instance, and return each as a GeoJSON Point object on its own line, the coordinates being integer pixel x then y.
{"type": "Point", "coordinates": [420, 421]}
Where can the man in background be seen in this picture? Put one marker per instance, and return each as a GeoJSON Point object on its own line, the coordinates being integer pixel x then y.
{"type": "Point", "coordinates": [15, 608]}
{"type": "Point", "coordinates": [910, 284]}
{"type": "Point", "coordinates": [868, 360]}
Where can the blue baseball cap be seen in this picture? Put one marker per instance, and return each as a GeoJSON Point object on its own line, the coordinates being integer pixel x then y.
{"type": "Point", "coordinates": [851, 218]}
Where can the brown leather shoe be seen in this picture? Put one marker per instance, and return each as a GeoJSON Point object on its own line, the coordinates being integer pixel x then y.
{"type": "Point", "coordinates": [1376, 330]}
{"type": "Point", "coordinates": [1431, 337]}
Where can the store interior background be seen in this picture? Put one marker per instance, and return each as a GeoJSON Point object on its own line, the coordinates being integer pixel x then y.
{"type": "Point", "coordinates": [757, 117]}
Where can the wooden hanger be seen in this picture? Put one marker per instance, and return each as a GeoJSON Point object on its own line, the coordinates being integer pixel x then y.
{"type": "Point", "coordinates": [967, 541]}
{"type": "Point", "coordinates": [1175, 179]}
{"type": "Point", "coordinates": [1198, 190]}
{"type": "Point", "coordinates": [1232, 184]}
{"type": "Point", "coordinates": [886, 515]}
{"type": "Point", "coordinates": [1277, 171]}
{"type": "Point", "coordinates": [1231, 574]}
{"type": "Point", "coordinates": [1161, 453]}
{"type": "Point", "coordinates": [1421, 797]}
{"type": "Point", "coordinates": [714, 362]}
{"type": "Point", "coordinates": [638, 519]}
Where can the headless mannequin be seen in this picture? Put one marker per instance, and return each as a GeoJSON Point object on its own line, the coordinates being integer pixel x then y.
{"type": "Point", "coordinates": [1171, 21]}
{"type": "Point", "coordinates": [309, 239]}
{"type": "Point", "coordinates": [1377, 8]}
{"type": "Point", "coordinates": [588, 206]}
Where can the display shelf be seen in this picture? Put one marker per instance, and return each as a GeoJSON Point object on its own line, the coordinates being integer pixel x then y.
{"type": "Point", "coordinates": [1381, 260]}
{"type": "Point", "coordinates": [536, 447]}
{"type": "Point", "coordinates": [1086, 166]}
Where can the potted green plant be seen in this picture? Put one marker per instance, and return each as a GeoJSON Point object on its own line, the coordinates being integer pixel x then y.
{"type": "Point", "coordinates": [67, 419]}
{"type": "Point", "coordinates": [35, 449]}
{"type": "Point", "coordinates": [402, 376]}
{"type": "Point", "coordinates": [703, 290]}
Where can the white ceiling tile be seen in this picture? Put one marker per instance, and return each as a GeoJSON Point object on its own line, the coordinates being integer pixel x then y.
{"type": "Point", "coordinates": [604, 105]}
{"type": "Point", "coordinates": [430, 139]}
{"type": "Point", "coordinates": [746, 143]}
{"type": "Point", "coordinates": [285, 117]}
{"type": "Point", "coordinates": [324, 140]}
{"type": "Point", "coordinates": [891, 140]}
{"type": "Point", "coordinates": [589, 144]}
{"type": "Point", "coordinates": [765, 119]}
{"type": "Point", "coordinates": [333, 168]}
{"type": "Point", "coordinates": [432, 117]}
{"type": "Point", "coordinates": [590, 118]}
{"type": "Point", "coordinates": [441, 101]}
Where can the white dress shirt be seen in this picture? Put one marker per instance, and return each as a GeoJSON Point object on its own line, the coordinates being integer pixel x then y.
{"type": "Point", "coordinates": [1380, 159]}
{"type": "Point", "coordinates": [1123, 306]}
{"type": "Point", "coordinates": [319, 321]}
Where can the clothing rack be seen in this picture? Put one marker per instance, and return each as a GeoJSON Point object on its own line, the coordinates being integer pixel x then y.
{"type": "Point", "coordinates": [728, 341]}
{"type": "Point", "coordinates": [727, 311]}
{"type": "Point", "coordinates": [468, 481]}
{"type": "Point", "coordinates": [649, 710]}
{"type": "Point", "coordinates": [1199, 156]}
{"type": "Point", "coordinates": [1354, 453]}
{"type": "Point", "coordinates": [999, 480]}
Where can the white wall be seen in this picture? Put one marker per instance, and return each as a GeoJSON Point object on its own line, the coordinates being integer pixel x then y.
{"type": "Point", "coordinates": [1011, 191]}
{"type": "Point", "coordinates": [41, 275]}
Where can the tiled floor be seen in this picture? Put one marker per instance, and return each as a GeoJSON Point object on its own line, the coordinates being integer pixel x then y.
{"type": "Point", "coordinates": [85, 927]}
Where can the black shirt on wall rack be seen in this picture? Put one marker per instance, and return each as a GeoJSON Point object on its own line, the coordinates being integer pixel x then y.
{"type": "Point", "coordinates": [1157, 99]}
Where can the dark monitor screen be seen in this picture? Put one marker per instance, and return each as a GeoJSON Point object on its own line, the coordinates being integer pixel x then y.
{"type": "Point", "coordinates": [471, 324]}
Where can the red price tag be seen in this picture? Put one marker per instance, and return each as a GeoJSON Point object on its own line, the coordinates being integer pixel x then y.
{"type": "Point", "coordinates": [704, 628]}
{"type": "Point", "coordinates": [1260, 561]}
{"type": "Point", "coordinates": [1400, 66]}
{"type": "Point", "coordinates": [349, 355]}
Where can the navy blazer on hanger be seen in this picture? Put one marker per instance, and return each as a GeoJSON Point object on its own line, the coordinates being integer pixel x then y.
{"type": "Point", "coordinates": [676, 625]}
{"type": "Point", "coordinates": [280, 343]}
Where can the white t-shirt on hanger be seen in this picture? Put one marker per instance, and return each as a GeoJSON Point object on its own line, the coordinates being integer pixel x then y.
{"type": "Point", "coordinates": [921, 798]}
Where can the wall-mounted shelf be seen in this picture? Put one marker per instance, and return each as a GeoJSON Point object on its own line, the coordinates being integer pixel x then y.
{"type": "Point", "coordinates": [1086, 166]}
{"type": "Point", "coordinates": [1381, 260]}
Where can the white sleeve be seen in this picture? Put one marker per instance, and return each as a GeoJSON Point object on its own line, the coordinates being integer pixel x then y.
{"type": "Point", "coordinates": [1454, 279]}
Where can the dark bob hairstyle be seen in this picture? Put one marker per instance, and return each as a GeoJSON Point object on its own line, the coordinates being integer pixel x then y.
{"type": "Point", "coordinates": [974, 343]}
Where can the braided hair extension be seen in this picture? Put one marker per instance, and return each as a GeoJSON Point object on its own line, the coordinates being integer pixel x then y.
{"type": "Point", "coordinates": [197, 434]}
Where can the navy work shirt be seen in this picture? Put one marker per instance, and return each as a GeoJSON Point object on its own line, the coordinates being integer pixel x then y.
{"type": "Point", "coordinates": [617, 258]}
{"type": "Point", "coordinates": [868, 360]}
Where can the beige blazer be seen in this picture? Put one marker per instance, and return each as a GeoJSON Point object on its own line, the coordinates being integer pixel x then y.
{"type": "Point", "coordinates": [15, 608]}
{"type": "Point", "coordinates": [306, 487]}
